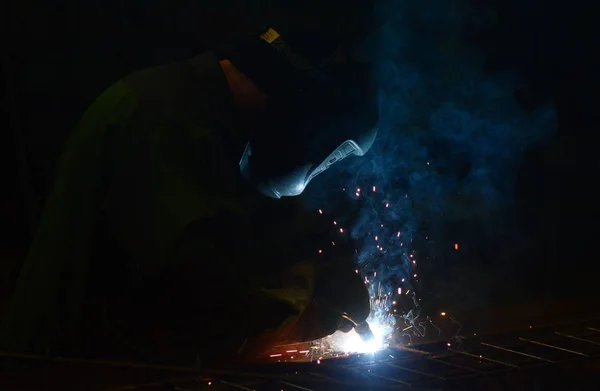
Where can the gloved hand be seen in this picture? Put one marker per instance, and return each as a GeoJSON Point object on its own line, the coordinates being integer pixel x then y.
{"type": "Point", "coordinates": [364, 331]}
{"type": "Point", "coordinates": [343, 292]}
{"type": "Point", "coordinates": [339, 301]}
{"type": "Point", "coordinates": [328, 297]}
{"type": "Point", "coordinates": [335, 289]}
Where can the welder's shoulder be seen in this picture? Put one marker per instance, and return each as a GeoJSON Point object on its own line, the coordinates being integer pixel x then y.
{"type": "Point", "coordinates": [114, 106]}
{"type": "Point", "coordinates": [188, 90]}
{"type": "Point", "coordinates": [185, 90]}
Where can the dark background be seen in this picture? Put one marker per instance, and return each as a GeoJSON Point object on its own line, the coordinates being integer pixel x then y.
{"type": "Point", "coordinates": [61, 55]}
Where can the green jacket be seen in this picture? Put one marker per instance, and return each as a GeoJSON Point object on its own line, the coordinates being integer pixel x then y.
{"type": "Point", "coordinates": [156, 152]}
{"type": "Point", "coordinates": [155, 160]}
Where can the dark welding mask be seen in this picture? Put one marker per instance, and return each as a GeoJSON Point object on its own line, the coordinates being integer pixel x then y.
{"type": "Point", "coordinates": [321, 109]}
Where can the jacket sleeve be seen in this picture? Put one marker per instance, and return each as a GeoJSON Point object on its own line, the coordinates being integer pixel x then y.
{"type": "Point", "coordinates": [210, 296]}
{"type": "Point", "coordinates": [49, 289]}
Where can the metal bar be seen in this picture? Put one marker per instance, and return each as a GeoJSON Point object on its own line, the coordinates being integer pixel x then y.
{"type": "Point", "coordinates": [577, 338]}
{"type": "Point", "coordinates": [364, 376]}
{"type": "Point", "coordinates": [451, 364]}
{"type": "Point", "coordinates": [125, 364]}
{"type": "Point", "coordinates": [489, 373]}
{"type": "Point", "coordinates": [237, 386]}
{"type": "Point", "coordinates": [296, 386]}
{"type": "Point", "coordinates": [369, 373]}
{"type": "Point", "coordinates": [417, 371]}
{"type": "Point", "coordinates": [593, 329]}
{"type": "Point", "coordinates": [444, 354]}
{"type": "Point", "coordinates": [390, 379]}
{"type": "Point", "coordinates": [480, 357]}
{"type": "Point", "coordinates": [517, 352]}
{"type": "Point", "coordinates": [323, 376]}
{"type": "Point", "coordinates": [138, 386]}
{"type": "Point", "coordinates": [410, 350]}
{"type": "Point", "coordinates": [553, 347]}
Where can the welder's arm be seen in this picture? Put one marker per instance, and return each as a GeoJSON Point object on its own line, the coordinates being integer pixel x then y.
{"type": "Point", "coordinates": [214, 316]}
{"type": "Point", "coordinates": [209, 302]}
{"type": "Point", "coordinates": [335, 289]}
{"type": "Point", "coordinates": [338, 301]}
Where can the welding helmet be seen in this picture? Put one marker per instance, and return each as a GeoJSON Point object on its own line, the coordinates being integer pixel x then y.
{"type": "Point", "coordinates": [321, 108]}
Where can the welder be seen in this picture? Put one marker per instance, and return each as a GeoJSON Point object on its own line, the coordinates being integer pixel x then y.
{"type": "Point", "coordinates": [167, 215]}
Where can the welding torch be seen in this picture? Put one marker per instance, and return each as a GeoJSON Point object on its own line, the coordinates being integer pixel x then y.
{"type": "Point", "coordinates": [362, 329]}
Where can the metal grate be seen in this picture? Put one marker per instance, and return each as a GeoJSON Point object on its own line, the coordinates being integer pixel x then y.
{"type": "Point", "coordinates": [572, 346]}
{"type": "Point", "coordinates": [436, 366]}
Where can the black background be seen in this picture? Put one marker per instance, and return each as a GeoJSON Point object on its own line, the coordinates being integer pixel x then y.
{"type": "Point", "coordinates": [60, 55]}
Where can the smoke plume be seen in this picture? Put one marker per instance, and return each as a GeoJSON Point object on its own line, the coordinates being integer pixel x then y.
{"type": "Point", "coordinates": [441, 174]}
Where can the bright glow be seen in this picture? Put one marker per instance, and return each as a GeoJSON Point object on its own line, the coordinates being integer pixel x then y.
{"type": "Point", "coordinates": [352, 343]}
